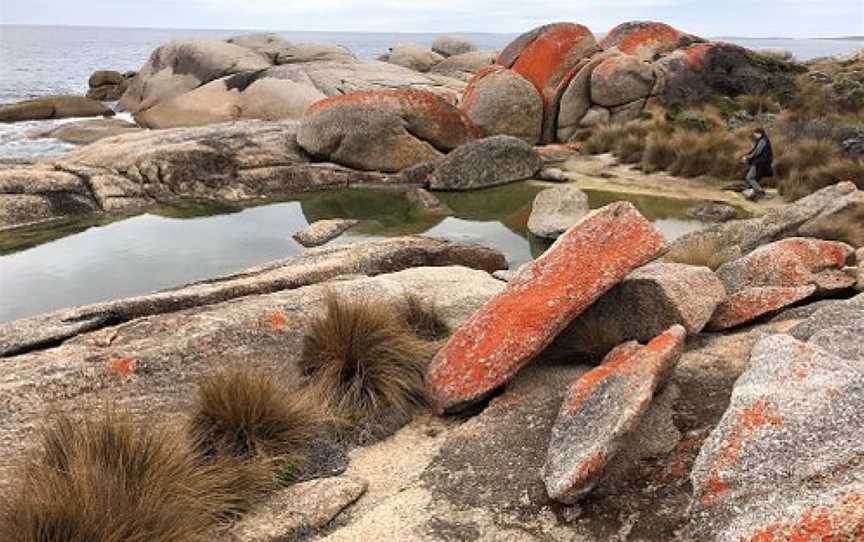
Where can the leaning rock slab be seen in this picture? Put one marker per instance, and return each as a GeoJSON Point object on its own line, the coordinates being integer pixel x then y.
{"type": "Point", "coordinates": [556, 210]}
{"type": "Point", "coordinates": [545, 296]}
{"type": "Point", "coordinates": [785, 461]}
{"type": "Point", "coordinates": [792, 262]}
{"type": "Point", "coordinates": [323, 231]}
{"type": "Point", "coordinates": [383, 131]}
{"type": "Point", "coordinates": [602, 408]}
{"type": "Point", "coordinates": [502, 102]}
{"type": "Point", "coordinates": [748, 305]}
{"type": "Point", "coordinates": [486, 162]}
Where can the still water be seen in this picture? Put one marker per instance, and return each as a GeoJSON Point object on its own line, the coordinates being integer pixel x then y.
{"type": "Point", "coordinates": [48, 268]}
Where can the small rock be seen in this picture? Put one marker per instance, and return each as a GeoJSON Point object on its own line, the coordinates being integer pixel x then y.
{"type": "Point", "coordinates": [53, 107]}
{"type": "Point", "coordinates": [553, 175]}
{"type": "Point", "coordinates": [487, 162]}
{"type": "Point", "coordinates": [555, 210]}
{"type": "Point", "coordinates": [464, 66]}
{"type": "Point", "coordinates": [323, 231]}
{"type": "Point", "coordinates": [301, 507]}
{"type": "Point", "coordinates": [546, 295]}
{"type": "Point", "coordinates": [427, 200]}
{"type": "Point", "coordinates": [87, 131]}
{"type": "Point", "coordinates": [713, 212]}
{"type": "Point", "coordinates": [414, 56]}
{"type": "Point", "coordinates": [505, 275]}
{"type": "Point", "coordinates": [602, 408]}
{"type": "Point", "coordinates": [452, 44]}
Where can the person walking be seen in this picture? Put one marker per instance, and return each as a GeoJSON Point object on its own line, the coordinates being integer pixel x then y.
{"type": "Point", "coordinates": [761, 159]}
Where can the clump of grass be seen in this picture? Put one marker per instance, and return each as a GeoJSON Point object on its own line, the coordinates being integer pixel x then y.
{"type": "Point", "coordinates": [589, 338]}
{"type": "Point", "coordinates": [757, 104]}
{"type": "Point", "coordinates": [366, 358]}
{"type": "Point", "coordinates": [659, 153]}
{"type": "Point", "coordinates": [711, 153]}
{"type": "Point", "coordinates": [702, 251]}
{"type": "Point", "coordinates": [630, 148]}
{"type": "Point", "coordinates": [112, 480]}
{"type": "Point", "coordinates": [244, 413]}
{"type": "Point", "coordinates": [423, 319]}
{"type": "Point", "coordinates": [801, 182]}
{"type": "Point", "coordinates": [604, 138]}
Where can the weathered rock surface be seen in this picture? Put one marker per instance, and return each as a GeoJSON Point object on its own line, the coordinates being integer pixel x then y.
{"type": "Point", "coordinates": [751, 303]}
{"type": "Point", "coordinates": [743, 236]}
{"type": "Point", "coordinates": [298, 509]}
{"type": "Point", "coordinates": [843, 221]}
{"type": "Point", "coordinates": [545, 296]}
{"type": "Point", "coordinates": [414, 56]}
{"type": "Point", "coordinates": [502, 102]}
{"type": "Point", "coordinates": [791, 262]}
{"type": "Point", "coordinates": [650, 300]}
{"type": "Point", "coordinates": [647, 40]}
{"type": "Point", "coordinates": [180, 66]}
{"type": "Point", "coordinates": [108, 85]}
{"type": "Point", "coordinates": [840, 314]}
{"type": "Point", "coordinates": [323, 231]}
{"type": "Point", "coordinates": [313, 266]}
{"type": "Point", "coordinates": [151, 365]}
{"type": "Point", "coordinates": [452, 45]}
{"type": "Point", "coordinates": [87, 131]}
{"type": "Point", "coordinates": [602, 408]}
{"type": "Point", "coordinates": [621, 80]}
{"type": "Point", "coordinates": [465, 65]}
{"type": "Point", "coordinates": [267, 44]}
{"type": "Point", "coordinates": [555, 210]}
{"type": "Point", "coordinates": [713, 212]}
{"type": "Point", "coordinates": [297, 53]}
{"type": "Point", "coordinates": [548, 56]}
{"type": "Point", "coordinates": [383, 131]}
{"type": "Point", "coordinates": [785, 461]}
{"type": "Point", "coordinates": [486, 162]}
{"type": "Point", "coordinates": [575, 102]}
{"type": "Point", "coordinates": [54, 107]}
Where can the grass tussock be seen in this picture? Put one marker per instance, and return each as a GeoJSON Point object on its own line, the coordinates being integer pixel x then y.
{"type": "Point", "coordinates": [367, 358]}
{"type": "Point", "coordinates": [590, 337]}
{"type": "Point", "coordinates": [604, 138]}
{"type": "Point", "coordinates": [246, 414]}
{"type": "Point", "coordinates": [757, 104]}
{"type": "Point", "coordinates": [702, 251]}
{"type": "Point", "coordinates": [109, 479]}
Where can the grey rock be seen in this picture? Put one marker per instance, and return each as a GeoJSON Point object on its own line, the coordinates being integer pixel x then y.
{"type": "Point", "coordinates": [486, 162]}
{"type": "Point", "coordinates": [465, 65]}
{"type": "Point", "coordinates": [595, 116]}
{"type": "Point", "coordinates": [845, 342]}
{"type": "Point", "coordinates": [324, 231]}
{"type": "Point", "coordinates": [296, 53]}
{"type": "Point", "coordinates": [502, 102]}
{"type": "Point", "coordinates": [620, 80]}
{"type": "Point", "coordinates": [452, 45]}
{"type": "Point", "coordinates": [841, 221]}
{"type": "Point", "coordinates": [555, 210]}
{"type": "Point", "coordinates": [836, 315]}
{"type": "Point", "coordinates": [101, 78]}
{"type": "Point", "coordinates": [713, 212]}
{"type": "Point", "coordinates": [575, 101]}
{"type": "Point", "coordinates": [786, 450]}
{"type": "Point", "coordinates": [53, 107]}
{"type": "Point", "coordinates": [87, 131]}
{"type": "Point", "coordinates": [299, 508]}
{"type": "Point", "coordinates": [414, 56]}
{"type": "Point", "coordinates": [267, 44]}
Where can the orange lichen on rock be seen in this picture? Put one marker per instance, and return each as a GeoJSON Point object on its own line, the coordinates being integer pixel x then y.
{"type": "Point", "coordinates": [750, 304]}
{"type": "Point", "coordinates": [122, 366]}
{"type": "Point", "coordinates": [277, 320]}
{"type": "Point", "coordinates": [842, 521]}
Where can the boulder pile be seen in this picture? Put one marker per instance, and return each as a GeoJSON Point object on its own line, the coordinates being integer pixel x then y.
{"type": "Point", "coordinates": [108, 85]}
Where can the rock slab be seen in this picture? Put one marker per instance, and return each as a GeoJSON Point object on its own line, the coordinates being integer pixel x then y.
{"type": "Point", "coordinates": [545, 296]}
{"type": "Point", "coordinates": [323, 231]}
{"type": "Point", "coordinates": [602, 408]}
{"type": "Point", "coordinates": [486, 162]}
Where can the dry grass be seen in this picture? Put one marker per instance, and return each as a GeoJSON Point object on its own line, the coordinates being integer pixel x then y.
{"type": "Point", "coordinates": [702, 251]}
{"type": "Point", "coordinates": [659, 153]}
{"type": "Point", "coordinates": [801, 182]}
{"type": "Point", "coordinates": [757, 104]}
{"type": "Point", "coordinates": [630, 148]}
{"type": "Point", "coordinates": [246, 414]}
{"type": "Point", "coordinates": [589, 338]}
{"type": "Point", "coordinates": [366, 358]}
{"type": "Point", "coordinates": [711, 153]}
{"type": "Point", "coordinates": [110, 479]}
{"type": "Point", "coordinates": [423, 319]}
{"type": "Point", "coordinates": [604, 138]}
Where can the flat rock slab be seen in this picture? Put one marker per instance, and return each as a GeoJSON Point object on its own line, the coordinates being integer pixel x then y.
{"type": "Point", "coordinates": [555, 210]}
{"type": "Point", "coordinates": [302, 507]}
{"type": "Point", "coordinates": [748, 305]}
{"type": "Point", "coordinates": [784, 463]}
{"type": "Point", "coordinates": [545, 296]}
{"type": "Point", "coordinates": [792, 262]}
{"type": "Point", "coordinates": [602, 408]}
{"type": "Point", "coordinates": [324, 231]}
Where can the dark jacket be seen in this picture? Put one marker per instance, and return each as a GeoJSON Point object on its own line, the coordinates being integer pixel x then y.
{"type": "Point", "coordinates": [762, 157]}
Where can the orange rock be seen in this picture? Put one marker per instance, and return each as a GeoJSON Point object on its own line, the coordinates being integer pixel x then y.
{"type": "Point", "coordinates": [747, 305]}
{"type": "Point", "coordinates": [646, 39]}
{"type": "Point", "coordinates": [544, 296]}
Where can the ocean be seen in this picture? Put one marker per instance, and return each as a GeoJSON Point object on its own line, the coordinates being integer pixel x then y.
{"type": "Point", "coordinates": [42, 60]}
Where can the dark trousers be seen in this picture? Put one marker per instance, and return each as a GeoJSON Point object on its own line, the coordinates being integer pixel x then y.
{"type": "Point", "coordinates": [753, 180]}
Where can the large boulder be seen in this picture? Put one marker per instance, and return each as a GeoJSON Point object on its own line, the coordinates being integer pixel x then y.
{"type": "Point", "coordinates": [53, 107]}
{"type": "Point", "coordinates": [486, 162]}
{"type": "Point", "coordinates": [575, 101]}
{"type": "Point", "coordinates": [650, 300]}
{"type": "Point", "coordinates": [602, 408]}
{"type": "Point", "coordinates": [414, 56]}
{"type": "Point", "coordinates": [841, 221]}
{"type": "Point", "coordinates": [448, 45]}
{"type": "Point", "coordinates": [464, 66]}
{"type": "Point", "coordinates": [647, 40]}
{"type": "Point", "coordinates": [537, 303]}
{"type": "Point", "coordinates": [548, 57]}
{"type": "Point", "coordinates": [701, 71]}
{"type": "Point", "coordinates": [502, 102]}
{"type": "Point", "coordinates": [180, 66]}
{"type": "Point", "coordinates": [108, 85]}
{"type": "Point", "coordinates": [556, 210]}
{"type": "Point", "coordinates": [267, 44]}
{"type": "Point", "coordinates": [620, 80]}
{"type": "Point", "coordinates": [785, 461]}
{"type": "Point", "coordinates": [383, 131]}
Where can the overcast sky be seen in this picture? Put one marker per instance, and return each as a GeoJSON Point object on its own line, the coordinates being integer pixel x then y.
{"type": "Point", "coordinates": [758, 18]}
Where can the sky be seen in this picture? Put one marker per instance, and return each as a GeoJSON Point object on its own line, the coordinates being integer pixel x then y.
{"type": "Point", "coordinates": [751, 18]}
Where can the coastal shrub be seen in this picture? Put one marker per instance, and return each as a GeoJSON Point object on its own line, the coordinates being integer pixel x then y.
{"type": "Point", "coordinates": [659, 153]}
{"type": "Point", "coordinates": [112, 480]}
{"type": "Point", "coordinates": [245, 413]}
{"type": "Point", "coordinates": [366, 358]}
{"type": "Point", "coordinates": [712, 153]}
{"type": "Point", "coordinates": [801, 182]}
{"type": "Point", "coordinates": [757, 104]}
{"type": "Point", "coordinates": [629, 148]}
{"type": "Point", "coordinates": [604, 138]}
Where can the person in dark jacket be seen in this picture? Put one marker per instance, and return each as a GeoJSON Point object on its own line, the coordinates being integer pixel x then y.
{"type": "Point", "coordinates": [760, 158]}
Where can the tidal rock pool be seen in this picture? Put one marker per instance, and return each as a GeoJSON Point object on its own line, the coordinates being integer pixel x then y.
{"type": "Point", "coordinates": [51, 267]}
